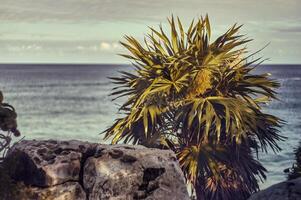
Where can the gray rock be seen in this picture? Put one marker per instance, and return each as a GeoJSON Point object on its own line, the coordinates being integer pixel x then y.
{"type": "Point", "coordinates": [48, 163]}
{"type": "Point", "coordinates": [134, 172]}
{"type": "Point", "coordinates": [287, 190]}
{"type": "Point", "coordinates": [75, 170]}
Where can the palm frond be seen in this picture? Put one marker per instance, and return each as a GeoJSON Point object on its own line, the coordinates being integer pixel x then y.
{"type": "Point", "coordinates": [202, 100]}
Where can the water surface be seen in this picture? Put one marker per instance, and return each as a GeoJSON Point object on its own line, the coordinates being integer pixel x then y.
{"type": "Point", "coordinates": [72, 102]}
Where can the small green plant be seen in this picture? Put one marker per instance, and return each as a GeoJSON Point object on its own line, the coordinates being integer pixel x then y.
{"type": "Point", "coordinates": [201, 100]}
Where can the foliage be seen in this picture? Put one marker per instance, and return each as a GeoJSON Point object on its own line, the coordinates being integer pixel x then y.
{"type": "Point", "coordinates": [8, 126]}
{"type": "Point", "coordinates": [202, 100]}
{"type": "Point", "coordinates": [9, 189]}
{"type": "Point", "coordinates": [295, 170]}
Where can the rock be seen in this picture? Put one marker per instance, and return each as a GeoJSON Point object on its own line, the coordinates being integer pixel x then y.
{"type": "Point", "coordinates": [134, 172]}
{"type": "Point", "coordinates": [287, 190]}
{"type": "Point", "coordinates": [48, 163]}
{"type": "Point", "coordinates": [65, 191]}
{"type": "Point", "coordinates": [80, 170]}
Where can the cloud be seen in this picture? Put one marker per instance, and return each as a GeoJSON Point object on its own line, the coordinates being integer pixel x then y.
{"type": "Point", "coordinates": [77, 10]}
{"type": "Point", "coordinates": [60, 51]}
{"type": "Point", "coordinates": [93, 27]}
{"type": "Point", "coordinates": [23, 47]}
{"type": "Point", "coordinates": [137, 10]}
{"type": "Point", "coordinates": [106, 46]}
{"type": "Point", "coordinates": [66, 46]}
{"type": "Point", "coordinates": [291, 29]}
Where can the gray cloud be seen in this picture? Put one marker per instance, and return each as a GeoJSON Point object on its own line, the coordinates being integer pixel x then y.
{"type": "Point", "coordinates": [60, 51]}
{"type": "Point", "coordinates": [98, 10]}
{"type": "Point", "coordinates": [72, 27]}
{"type": "Point", "coordinates": [66, 45]}
{"type": "Point", "coordinates": [293, 29]}
{"type": "Point", "coordinates": [73, 11]}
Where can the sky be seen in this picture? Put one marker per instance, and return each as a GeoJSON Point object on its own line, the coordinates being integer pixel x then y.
{"type": "Point", "coordinates": [89, 31]}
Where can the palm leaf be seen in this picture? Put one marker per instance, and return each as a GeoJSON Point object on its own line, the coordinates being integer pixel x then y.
{"type": "Point", "coordinates": [202, 100]}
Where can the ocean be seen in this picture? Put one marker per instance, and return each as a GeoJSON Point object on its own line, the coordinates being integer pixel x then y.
{"type": "Point", "coordinates": [73, 102]}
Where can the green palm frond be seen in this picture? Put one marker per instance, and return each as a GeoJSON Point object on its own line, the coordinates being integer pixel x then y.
{"type": "Point", "coordinates": [197, 160]}
{"type": "Point", "coordinates": [202, 100]}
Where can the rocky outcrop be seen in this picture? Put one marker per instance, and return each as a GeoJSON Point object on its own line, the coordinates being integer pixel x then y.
{"type": "Point", "coordinates": [287, 190]}
{"type": "Point", "coordinates": [80, 170]}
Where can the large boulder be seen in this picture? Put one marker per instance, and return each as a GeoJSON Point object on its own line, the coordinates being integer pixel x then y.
{"type": "Point", "coordinates": [134, 172]}
{"type": "Point", "coordinates": [51, 162]}
{"type": "Point", "coordinates": [78, 170]}
{"type": "Point", "coordinates": [287, 190]}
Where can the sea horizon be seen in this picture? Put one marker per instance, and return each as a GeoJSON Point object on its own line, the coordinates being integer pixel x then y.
{"type": "Point", "coordinates": [112, 63]}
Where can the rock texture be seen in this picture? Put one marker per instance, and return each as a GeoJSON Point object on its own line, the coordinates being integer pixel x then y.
{"type": "Point", "coordinates": [65, 191]}
{"type": "Point", "coordinates": [127, 172]}
{"type": "Point", "coordinates": [80, 170]}
{"type": "Point", "coordinates": [48, 163]}
{"type": "Point", "coordinates": [287, 190]}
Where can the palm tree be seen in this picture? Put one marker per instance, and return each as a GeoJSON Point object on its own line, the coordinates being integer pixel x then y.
{"type": "Point", "coordinates": [201, 100]}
